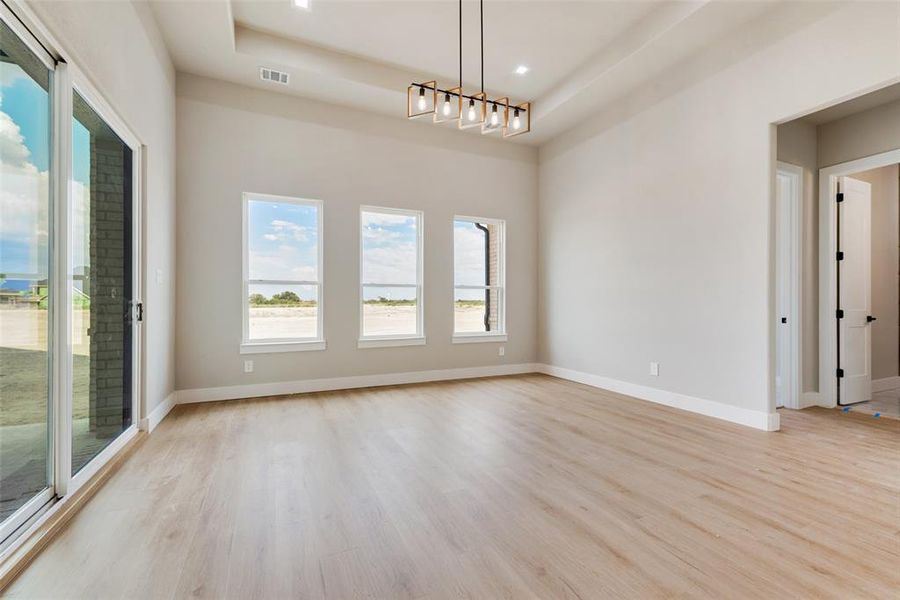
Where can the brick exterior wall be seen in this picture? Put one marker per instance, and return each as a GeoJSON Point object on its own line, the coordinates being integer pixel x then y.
{"type": "Point", "coordinates": [494, 276]}
{"type": "Point", "coordinates": [110, 180]}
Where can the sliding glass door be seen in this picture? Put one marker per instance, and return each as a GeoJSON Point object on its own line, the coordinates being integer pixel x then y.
{"type": "Point", "coordinates": [26, 291]}
{"type": "Point", "coordinates": [102, 292]}
{"type": "Point", "coordinates": [69, 279]}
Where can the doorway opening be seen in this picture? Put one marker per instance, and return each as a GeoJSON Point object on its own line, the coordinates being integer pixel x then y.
{"type": "Point", "coordinates": [836, 217]}
{"type": "Point", "coordinates": [860, 202]}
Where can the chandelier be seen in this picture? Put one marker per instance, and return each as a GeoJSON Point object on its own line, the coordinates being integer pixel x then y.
{"type": "Point", "coordinates": [468, 109]}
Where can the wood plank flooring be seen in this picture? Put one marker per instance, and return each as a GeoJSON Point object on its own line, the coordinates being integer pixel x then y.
{"type": "Point", "coordinates": [514, 487]}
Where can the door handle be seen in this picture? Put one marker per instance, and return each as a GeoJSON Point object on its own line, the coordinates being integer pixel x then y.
{"type": "Point", "coordinates": [870, 318]}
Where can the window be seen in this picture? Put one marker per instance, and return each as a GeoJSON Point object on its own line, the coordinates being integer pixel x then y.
{"type": "Point", "coordinates": [391, 277]}
{"type": "Point", "coordinates": [479, 262]}
{"type": "Point", "coordinates": [282, 274]}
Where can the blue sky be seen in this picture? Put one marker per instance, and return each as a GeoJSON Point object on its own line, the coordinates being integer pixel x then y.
{"type": "Point", "coordinates": [389, 254]}
{"type": "Point", "coordinates": [25, 160]}
{"type": "Point", "coordinates": [282, 239]}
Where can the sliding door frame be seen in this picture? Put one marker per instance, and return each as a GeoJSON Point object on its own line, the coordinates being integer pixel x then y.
{"type": "Point", "coordinates": [89, 93]}
{"type": "Point", "coordinates": [42, 499]}
{"type": "Point", "coordinates": [66, 77]}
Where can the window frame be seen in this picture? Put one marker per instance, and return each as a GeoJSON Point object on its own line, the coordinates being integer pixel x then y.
{"type": "Point", "coordinates": [400, 339]}
{"type": "Point", "coordinates": [271, 345]}
{"type": "Point", "coordinates": [479, 337]}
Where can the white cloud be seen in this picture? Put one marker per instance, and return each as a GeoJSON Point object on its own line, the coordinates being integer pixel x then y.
{"type": "Point", "coordinates": [287, 230]}
{"type": "Point", "coordinates": [391, 264]}
{"type": "Point", "coordinates": [9, 73]}
{"type": "Point", "coordinates": [468, 256]}
{"type": "Point", "coordinates": [379, 235]}
{"type": "Point", "coordinates": [23, 195]}
{"type": "Point", "coordinates": [370, 219]}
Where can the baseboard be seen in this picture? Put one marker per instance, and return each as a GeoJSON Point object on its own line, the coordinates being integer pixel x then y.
{"type": "Point", "coordinates": [159, 413]}
{"type": "Point", "coordinates": [346, 383]}
{"type": "Point", "coordinates": [742, 416]}
{"type": "Point", "coordinates": [808, 399]}
{"type": "Point", "coordinates": [888, 383]}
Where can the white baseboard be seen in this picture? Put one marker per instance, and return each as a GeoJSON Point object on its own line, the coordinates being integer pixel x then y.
{"type": "Point", "coordinates": [346, 383]}
{"type": "Point", "coordinates": [742, 416]}
{"type": "Point", "coordinates": [888, 383]}
{"type": "Point", "coordinates": [159, 413]}
{"type": "Point", "coordinates": [808, 399]}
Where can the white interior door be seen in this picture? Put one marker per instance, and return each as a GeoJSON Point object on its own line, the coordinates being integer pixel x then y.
{"type": "Point", "coordinates": [855, 291]}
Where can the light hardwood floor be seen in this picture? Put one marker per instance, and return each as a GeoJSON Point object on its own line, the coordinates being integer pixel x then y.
{"type": "Point", "coordinates": [516, 487]}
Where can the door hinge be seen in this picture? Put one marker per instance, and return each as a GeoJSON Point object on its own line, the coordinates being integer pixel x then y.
{"type": "Point", "coordinates": [839, 197]}
{"type": "Point", "coordinates": [840, 373]}
{"type": "Point", "coordinates": [840, 255]}
{"type": "Point", "coordinates": [139, 312]}
{"type": "Point", "coordinates": [839, 313]}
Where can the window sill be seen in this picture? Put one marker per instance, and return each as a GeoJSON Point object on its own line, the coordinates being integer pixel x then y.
{"type": "Point", "coordinates": [479, 338]}
{"type": "Point", "coordinates": [390, 342]}
{"type": "Point", "coordinates": [273, 347]}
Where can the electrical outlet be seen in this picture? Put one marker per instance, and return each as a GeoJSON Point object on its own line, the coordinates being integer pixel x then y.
{"type": "Point", "coordinates": [654, 369]}
{"type": "Point", "coordinates": [248, 366]}
{"type": "Point", "coordinates": [159, 276]}
{"type": "Point", "coordinates": [501, 351]}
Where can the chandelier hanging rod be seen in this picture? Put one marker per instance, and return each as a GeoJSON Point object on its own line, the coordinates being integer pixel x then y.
{"type": "Point", "coordinates": [491, 115]}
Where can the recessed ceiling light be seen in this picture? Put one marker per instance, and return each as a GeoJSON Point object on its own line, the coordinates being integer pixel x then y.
{"type": "Point", "coordinates": [521, 70]}
{"type": "Point", "coordinates": [302, 4]}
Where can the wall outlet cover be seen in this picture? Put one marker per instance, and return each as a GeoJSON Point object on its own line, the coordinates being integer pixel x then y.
{"type": "Point", "coordinates": [654, 369]}
{"type": "Point", "coordinates": [248, 366]}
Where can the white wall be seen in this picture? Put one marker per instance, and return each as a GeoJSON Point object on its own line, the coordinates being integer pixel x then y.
{"type": "Point", "coordinates": [121, 50]}
{"type": "Point", "coordinates": [885, 300]}
{"type": "Point", "coordinates": [656, 231]}
{"type": "Point", "coordinates": [233, 139]}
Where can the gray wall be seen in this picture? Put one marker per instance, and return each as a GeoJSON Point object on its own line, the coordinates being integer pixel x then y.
{"type": "Point", "coordinates": [798, 145]}
{"type": "Point", "coordinates": [233, 139]}
{"type": "Point", "coordinates": [859, 135]}
{"type": "Point", "coordinates": [120, 48]}
{"type": "Point", "coordinates": [656, 232]}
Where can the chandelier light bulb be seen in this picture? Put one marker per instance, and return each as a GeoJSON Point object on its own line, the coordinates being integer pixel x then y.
{"type": "Point", "coordinates": [495, 118]}
{"type": "Point", "coordinates": [446, 108]}
{"type": "Point", "coordinates": [517, 123]}
{"type": "Point", "coordinates": [471, 110]}
{"type": "Point", "coordinates": [422, 103]}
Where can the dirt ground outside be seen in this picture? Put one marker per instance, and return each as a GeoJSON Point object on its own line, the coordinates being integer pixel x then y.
{"type": "Point", "coordinates": [268, 322]}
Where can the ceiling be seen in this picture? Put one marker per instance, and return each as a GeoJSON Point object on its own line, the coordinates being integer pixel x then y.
{"type": "Point", "coordinates": [363, 53]}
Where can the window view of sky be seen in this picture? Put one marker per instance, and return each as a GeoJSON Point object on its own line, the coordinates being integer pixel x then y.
{"type": "Point", "coordinates": [282, 239]}
{"type": "Point", "coordinates": [468, 259]}
{"type": "Point", "coordinates": [24, 163]}
{"type": "Point", "coordinates": [389, 255]}
{"type": "Point", "coordinates": [24, 176]}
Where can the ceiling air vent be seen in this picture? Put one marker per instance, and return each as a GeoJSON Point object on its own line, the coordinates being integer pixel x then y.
{"type": "Point", "coordinates": [272, 75]}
